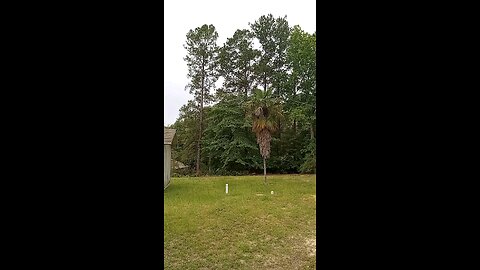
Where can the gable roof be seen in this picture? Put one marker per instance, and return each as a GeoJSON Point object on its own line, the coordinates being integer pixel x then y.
{"type": "Point", "coordinates": [168, 135]}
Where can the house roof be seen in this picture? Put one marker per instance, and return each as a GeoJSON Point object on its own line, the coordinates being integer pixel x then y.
{"type": "Point", "coordinates": [168, 135]}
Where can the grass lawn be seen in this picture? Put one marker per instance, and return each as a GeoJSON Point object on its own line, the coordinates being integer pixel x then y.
{"type": "Point", "coordinates": [248, 228]}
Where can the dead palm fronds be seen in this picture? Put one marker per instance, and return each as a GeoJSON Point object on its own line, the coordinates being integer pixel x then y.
{"type": "Point", "coordinates": [265, 111]}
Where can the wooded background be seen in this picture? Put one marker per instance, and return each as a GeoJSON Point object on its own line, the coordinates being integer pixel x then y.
{"type": "Point", "coordinates": [214, 131]}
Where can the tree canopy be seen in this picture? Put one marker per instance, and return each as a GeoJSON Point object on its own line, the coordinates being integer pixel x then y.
{"type": "Point", "coordinates": [269, 84]}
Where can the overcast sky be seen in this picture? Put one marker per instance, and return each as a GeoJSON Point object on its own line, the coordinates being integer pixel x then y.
{"type": "Point", "coordinates": [227, 16]}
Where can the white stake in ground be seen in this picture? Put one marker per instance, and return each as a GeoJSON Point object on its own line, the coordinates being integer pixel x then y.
{"type": "Point", "coordinates": [226, 188]}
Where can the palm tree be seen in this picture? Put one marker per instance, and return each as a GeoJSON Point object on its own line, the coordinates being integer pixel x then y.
{"type": "Point", "coordinates": [265, 111]}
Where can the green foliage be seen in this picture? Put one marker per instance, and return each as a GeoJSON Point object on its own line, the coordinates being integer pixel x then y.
{"type": "Point", "coordinates": [264, 110]}
{"type": "Point", "coordinates": [273, 35]}
{"type": "Point", "coordinates": [201, 59]}
{"type": "Point", "coordinates": [279, 60]}
{"type": "Point", "coordinates": [229, 143]}
{"type": "Point", "coordinates": [184, 147]}
{"type": "Point", "coordinates": [237, 62]}
{"type": "Point", "coordinates": [309, 164]}
{"type": "Point", "coordinates": [202, 51]}
{"type": "Point", "coordinates": [301, 85]}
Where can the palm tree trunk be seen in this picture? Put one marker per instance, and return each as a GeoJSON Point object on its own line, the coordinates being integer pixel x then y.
{"type": "Point", "coordinates": [265, 170]}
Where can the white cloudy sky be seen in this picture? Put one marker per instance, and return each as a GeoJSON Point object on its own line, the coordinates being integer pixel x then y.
{"type": "Point", "coordinates": [227, 16]}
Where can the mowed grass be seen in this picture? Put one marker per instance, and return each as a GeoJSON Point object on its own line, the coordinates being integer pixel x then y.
{"type": "Point", "coordinates": [248, 228]}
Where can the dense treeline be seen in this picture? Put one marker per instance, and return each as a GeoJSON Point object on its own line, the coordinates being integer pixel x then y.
{"type": "Point", "coordinates": [270, 61]}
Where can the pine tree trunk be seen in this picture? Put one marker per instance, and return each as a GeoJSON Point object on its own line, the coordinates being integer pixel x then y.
{"type": "Point", "coordinates": [198, 148]}
{"type": "Point", "coordinates": [265, 170]}
{"type": "Point", "coordinates": [200, 123]}
{"type": "Point", "coordinates": [246, 83]}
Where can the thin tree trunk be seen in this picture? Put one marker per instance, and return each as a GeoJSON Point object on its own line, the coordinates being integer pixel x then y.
{"type": "Point", "coordinates": [246, 83]}
{"type": "Point", "coordinates": [294, 126]}
{"type": "Point", "coordinates": [198, 148]}
{"type": "Point", "coordinates": [279, 123]}
{"type": "Point", "coordinates": [265, 82]}
{"type": "Point", "coordinates": [265, 170]}
{"type": "Point", "coordinates": [294, 98]}
{"type": "Point", "coordinates": [200, 123]}
{"type": "Point", "coordinates": [209, 164]}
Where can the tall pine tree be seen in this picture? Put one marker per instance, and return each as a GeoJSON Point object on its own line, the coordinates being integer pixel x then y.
{"type": "Point", "coordinates": [273, 36]}
{"type": "Point", "coordinates": [201, 58]}
{"type": "Point", "coordinates": [237, 62]}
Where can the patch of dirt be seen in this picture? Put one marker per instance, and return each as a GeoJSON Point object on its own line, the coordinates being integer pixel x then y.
{"type": "Point", "coordinates": [311, 244]}
{"type": "Point", "coordinates": [310, 198]}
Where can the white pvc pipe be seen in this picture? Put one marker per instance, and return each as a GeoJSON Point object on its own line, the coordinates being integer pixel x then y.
{"type": "Point", "coordinates": [226, 188]}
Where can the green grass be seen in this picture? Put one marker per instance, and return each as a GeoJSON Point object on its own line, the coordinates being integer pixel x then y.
{"type": "Point", "coordinates": [248, 228]}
